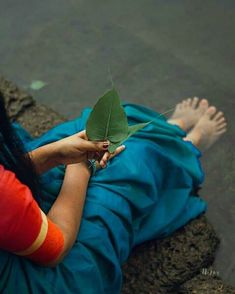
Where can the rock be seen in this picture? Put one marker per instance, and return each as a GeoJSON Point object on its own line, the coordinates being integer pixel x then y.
{"type": "Point", "coordinates": [36, 119]}
{"type": "Point", "coordinates": [41, 119]}
{"type": "Point", "coordinates": [174, 264]}
{"type": "Point", "coordinates": [160, 266]}
{"type": "Point", "coordinates": [16, 100]}
{"type": "Point", "coordinates": [202, 284]}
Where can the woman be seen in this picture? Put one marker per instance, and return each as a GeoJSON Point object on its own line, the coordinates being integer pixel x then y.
{"type": "Point", "coordinates": [68, 229]}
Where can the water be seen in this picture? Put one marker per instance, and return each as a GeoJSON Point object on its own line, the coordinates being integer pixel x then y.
{"type": "Point", "coordinates": [158, 52]}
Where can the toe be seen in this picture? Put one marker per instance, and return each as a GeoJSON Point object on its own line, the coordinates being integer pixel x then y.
{"type": "Point", "coordinates": [177, 106]}
{"type": "Point", "coordinates": [221, 131]}
{"type": "Point", "coordinates": [194, 102]}
{"type": "Point", "coordinates": [204, 103]}
{"type": "Point", "coordinates": [203, 106]}
{"type": "Point", "coordinates": [220, 120]}
{"type": "Point", "coordinates": [219, 115]}
{"type": "Point", "coordinates": [184, 103]}
{"type": "Point", "coordinates": [211, 111]}
{"type": "Point", "coordinates": [221, 126]}
{"type": "Point", "coordinates": [189, 101]}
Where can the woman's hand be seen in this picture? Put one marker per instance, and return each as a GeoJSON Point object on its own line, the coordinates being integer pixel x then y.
{"type": "Point", "coordinates": [107, 156]}
{"type": "Point", "coordinates": [70, 150]}
{"type": "Point", "coordinates": [77, 148]}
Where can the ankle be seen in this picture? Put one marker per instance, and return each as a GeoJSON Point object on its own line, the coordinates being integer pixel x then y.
{"type": "Point", "coordinates": [177, 121]}
{"type": "Point", "coordinates": [195, 138]}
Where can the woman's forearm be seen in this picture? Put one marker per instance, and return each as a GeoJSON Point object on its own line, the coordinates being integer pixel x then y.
{"type": "Point", "coordinates": [44, 157]}
{"type": "Point", "coordinates": [66, 211]}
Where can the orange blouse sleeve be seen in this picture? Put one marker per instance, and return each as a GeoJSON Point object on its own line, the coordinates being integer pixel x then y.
{"type": "Point", "coordinates": [24, 228]}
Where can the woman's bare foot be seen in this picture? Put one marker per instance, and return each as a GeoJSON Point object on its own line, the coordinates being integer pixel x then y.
{"type": "Point", "coordinates": [208, 129]}
{"type": "Point", "coordinates": [188, 112]}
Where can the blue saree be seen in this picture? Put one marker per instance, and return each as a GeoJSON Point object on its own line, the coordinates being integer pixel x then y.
{"type": "Point", "coordinates": [146, 192]}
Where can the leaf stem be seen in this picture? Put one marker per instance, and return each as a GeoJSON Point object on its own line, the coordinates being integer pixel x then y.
{"type": "Point", "coordinates": [167, 111]}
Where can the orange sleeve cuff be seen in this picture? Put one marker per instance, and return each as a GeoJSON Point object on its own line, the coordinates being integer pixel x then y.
{"type": "Point", "coordinates": [51, 248]}
{"type": "Point", "coordinates": [47, 245]}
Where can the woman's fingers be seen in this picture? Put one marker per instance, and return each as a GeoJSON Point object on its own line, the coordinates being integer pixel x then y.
{"type": "Point", "coordinates": [96, 149]}
{"type": "Point", "coordinates": [107, 156]}
{"type": "Point", "coordinates": [92, 145]}
{"type": "Point", "coordinates": [117, 151]}
{"type": "Point", "coordinates": [104, 159]}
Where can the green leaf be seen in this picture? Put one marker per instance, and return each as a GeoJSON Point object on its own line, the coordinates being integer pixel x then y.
{"type": "Point", "coordinates": [131, 130]}
{"type": "Point", "coordinates": [108, 121]}
{"type": "Point", "coordinates": [37, 85]}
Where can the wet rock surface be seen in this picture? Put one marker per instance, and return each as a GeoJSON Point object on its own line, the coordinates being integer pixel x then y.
{"type": "Point", "coordinates": [180, 263]}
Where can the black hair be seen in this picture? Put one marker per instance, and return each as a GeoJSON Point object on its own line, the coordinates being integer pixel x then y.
{"type": "Point", "coordinates": [13, 155]}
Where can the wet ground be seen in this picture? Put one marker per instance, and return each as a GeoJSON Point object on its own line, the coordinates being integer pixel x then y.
{"type": "Point", "coordinates": [155, 52]}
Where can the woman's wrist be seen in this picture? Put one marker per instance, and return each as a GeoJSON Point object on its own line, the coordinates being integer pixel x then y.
{"type": "Point", "coordinates": [84, 166]}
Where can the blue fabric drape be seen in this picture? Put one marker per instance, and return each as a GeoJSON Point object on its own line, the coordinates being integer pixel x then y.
{"type": "Point", "coordinates": [145, 192]}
